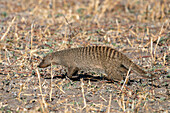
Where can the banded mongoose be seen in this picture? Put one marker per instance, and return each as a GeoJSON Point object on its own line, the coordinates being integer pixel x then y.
{"type": "Point", "coordinates": [100, 59]}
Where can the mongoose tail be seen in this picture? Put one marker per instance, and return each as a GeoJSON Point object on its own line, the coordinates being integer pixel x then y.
{"type": "Point", "coordinates": [137, 69]}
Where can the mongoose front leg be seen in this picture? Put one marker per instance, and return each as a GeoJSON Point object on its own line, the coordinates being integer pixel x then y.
{"type": "Point", "coordinates": [72, 71]}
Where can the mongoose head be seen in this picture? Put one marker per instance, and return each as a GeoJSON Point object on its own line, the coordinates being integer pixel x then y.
{"type": "Point", "coordinates": [48, 60]}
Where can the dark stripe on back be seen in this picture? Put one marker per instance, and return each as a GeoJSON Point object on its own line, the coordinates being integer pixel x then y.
{"type": "Point", "coordinates": [93, 52]}
{"type": "Point", "coordinates": [98, 52]}
{"type": "Point", "coordinates": [90, 53]}
{"type": "Point", "coordinates": [82, 53]}
{"type": "Point", "coordinates": [85, 53]}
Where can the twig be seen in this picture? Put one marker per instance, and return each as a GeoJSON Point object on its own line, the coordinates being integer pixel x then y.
{"type": "Point", "coordinates": [8, 28]}
{"type": "Point", "coordinates": [110, 100]}
{"type": "Point", "coordinates": [43, 100]}
{"type": "Point", "coordinates": [156, 46]}
{"type": "Point", "coordinates": [152, 50]}
{"type": "Point", "coordinates": [60, 89]}
{"type": "Point", "coordinates": [82, 89]}
{"type": "Point", "coordinates": [51, 83]}
{"type": "Point", "coordinates": [126, 78]}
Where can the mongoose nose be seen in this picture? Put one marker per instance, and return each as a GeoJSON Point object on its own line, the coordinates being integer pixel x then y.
{"type": "Point", "coordinates": [40, 65]}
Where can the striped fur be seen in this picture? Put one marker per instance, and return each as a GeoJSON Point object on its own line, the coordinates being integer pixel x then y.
{"type": "Point", "coordinates": [101, 59]}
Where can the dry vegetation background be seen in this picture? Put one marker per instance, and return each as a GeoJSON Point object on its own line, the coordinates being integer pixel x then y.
{"type": "Point", "coordinates": [29, 29]}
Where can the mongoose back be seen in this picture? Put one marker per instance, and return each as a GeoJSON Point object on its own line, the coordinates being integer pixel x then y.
{"type": "Point", "coordinates": [100, 59]}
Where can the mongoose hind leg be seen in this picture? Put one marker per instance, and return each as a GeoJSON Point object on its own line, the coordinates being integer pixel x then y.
{"type": "Point", "coordinates": [123, 69]}
{"type": "Point", "coordinates": [72, 71]}
{"type": "Point", "coordinates": [114, 74]}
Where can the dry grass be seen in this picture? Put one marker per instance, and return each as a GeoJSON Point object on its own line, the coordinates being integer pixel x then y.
{"type": "Point", "coordinates": [29, 29]}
